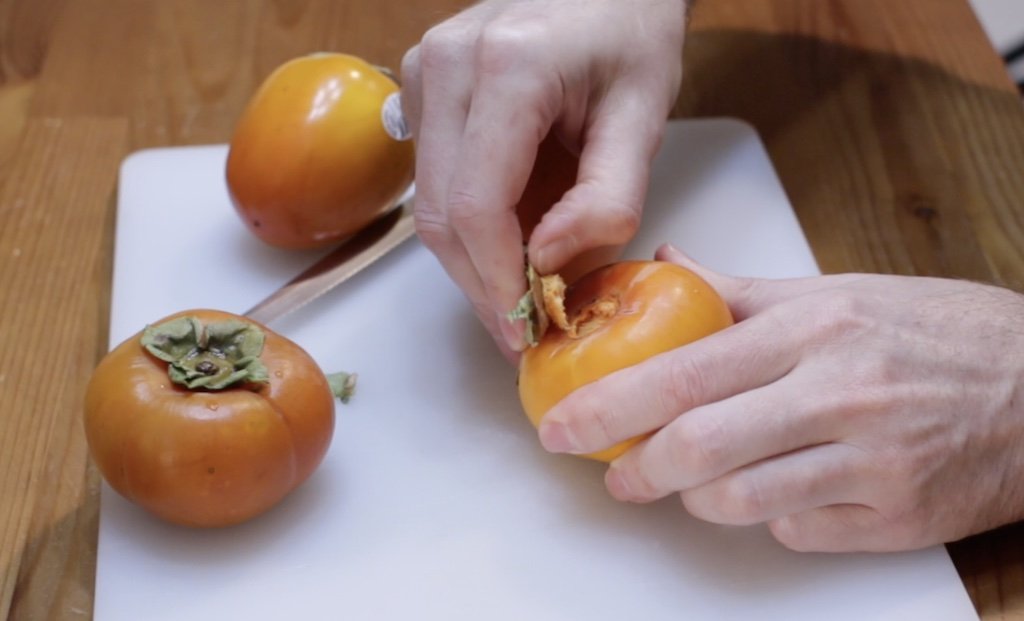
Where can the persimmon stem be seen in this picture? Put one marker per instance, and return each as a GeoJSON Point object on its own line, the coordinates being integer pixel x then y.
{"type": "Point", "coordinates": [544, 304]}
{"type": "Point", "coordinates": [535, 306]}
{"type": "Point", "coordinates": [343, 385]}
{"type": "Point", "coordinates": [211, 356]}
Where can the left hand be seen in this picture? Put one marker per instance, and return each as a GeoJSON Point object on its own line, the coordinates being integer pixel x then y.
{"type": "Point", "coordinates": [481, 92]}
{"type": "Point", "coordinates": [851, 413]}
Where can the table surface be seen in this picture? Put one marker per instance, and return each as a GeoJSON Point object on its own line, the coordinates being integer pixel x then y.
{"type": "Point", "coordinates": [893, 125]}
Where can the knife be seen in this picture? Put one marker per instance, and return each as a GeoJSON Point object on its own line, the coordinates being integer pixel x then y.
{"type": "Point", "coordinates": [351, 257]}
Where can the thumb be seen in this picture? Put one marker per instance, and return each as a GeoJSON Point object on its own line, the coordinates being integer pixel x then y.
{"type": "Point", "coordinates": [738, 293]}
{"type": "Point", "coordinates": [749, 296]}
{"type": "Point", "coordinates": [726, 286]}
{"type": "Point", "coordinates": [604, 207]}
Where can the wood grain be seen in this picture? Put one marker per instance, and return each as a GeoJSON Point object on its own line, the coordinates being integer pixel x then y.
{"type": "Point", "coordinates": [896, 132]}
{"type": "Point", "coordinates": [55, 249]}
{"type": "Point", "coordinates": [895, 164]}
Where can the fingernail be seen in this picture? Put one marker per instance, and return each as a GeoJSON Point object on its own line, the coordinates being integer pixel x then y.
{"type": "Point", "coordinates": [512, 333]}
{"type": "Point", "coordinates": [671, 250]}
{"type": "Point", "coordinates": [548, 254]}
{"type": "Point", "coordinates": [617, 484]}
{"type": "Point", "coordinates": [557, 438]}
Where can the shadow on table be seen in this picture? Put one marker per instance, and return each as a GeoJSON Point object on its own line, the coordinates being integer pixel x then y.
{"type": "Point", "coordinates": [886, 159]}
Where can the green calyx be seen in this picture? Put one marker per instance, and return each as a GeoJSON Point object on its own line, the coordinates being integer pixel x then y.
{"type": "Point", "coordinates": [343, 385]}
{"type": "Point", "coordinates": [527, 309]}
{"type": "Point", "coordinates": [211, 356]}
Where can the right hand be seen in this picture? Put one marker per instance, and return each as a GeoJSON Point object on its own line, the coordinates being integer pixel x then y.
{"type": "Point", "coordinates": [483, 90]}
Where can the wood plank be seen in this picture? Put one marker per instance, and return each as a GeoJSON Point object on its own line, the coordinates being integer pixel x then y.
{"type": "Point", "coordinates": [55, 264]}
{"type": "Point", "coordinates": [182, 71]}
{"type": "Point", "coordinates": [864, 139]}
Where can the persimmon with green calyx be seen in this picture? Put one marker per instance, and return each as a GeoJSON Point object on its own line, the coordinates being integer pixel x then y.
{"type": "Point", "coordinates": [207, 418]}
{"type": "Point", "coordinates": [319, 152]}
{"type": "Point", "coordinates": [611, 318]}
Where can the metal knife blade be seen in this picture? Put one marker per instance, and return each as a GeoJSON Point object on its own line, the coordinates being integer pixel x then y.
{"type": "Point", "coordinates": [347, 260]}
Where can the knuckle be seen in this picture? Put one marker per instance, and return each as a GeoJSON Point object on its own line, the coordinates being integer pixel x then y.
{"type": "Point", "coordinates": [505, 43]}
{"type": "Point", "coordinates": [581, 416]}
{"type": "Point", "coordinates": [742, 501]}
{"type": "Point", "coordinates": [622, 221]}
{"type": "Point", "coordinates": [881, 369]}
{"type": "Point", "coordinates": [614, 221]}
{"type": "Point", "coordinates": [467, 213]}
{"type": "Point", "coordinates": [432, 227]}
{"type": "Point", "coordinates": [445, 44]}
{"type": "Point", "coordinates": [605, 428]}
{"type": "Point", "coordinates": [735, 501]}
{"type": "Point", "coordinates": [684, 383]}
{"type": "Point", "coordinates": [464, 208]}
{"type": "Point", "coordinates": [410, 65]}
{"type": "Point", "coordinates": [842, 315]}
{"type": "Point", "coordinates": [642, 482]}
{"type": "Point", "coordinates": [903, 471]}
{"type": "Point", "coordinates": [697, 447]}
{"type": "Point", "coordinates": [695, 505]}
{"type": "Point", "coordinates": [746, 288]}
{"type": "Point", "coordinates": [790, 533]}
{"type": "Point", "coordinates": [596, 417]}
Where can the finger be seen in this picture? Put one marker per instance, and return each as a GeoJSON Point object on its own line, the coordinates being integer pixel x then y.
{"type": "Point", "coordinates": [441, 71]}
{"type": "Point", "coordinates": [713, 440]}
{"type": "Point", "coordinates": [511, 112]}
{"type": "Point", "coordinates": [818, 476]}
{"type": "Point", "coordinates": [645, 397]}
{"type": "Point", "coordinates": [412, 89]}
{"type": "Point", "coordinates": [841, 528]}
{"type": "Point", "coordinates": [604, 207]}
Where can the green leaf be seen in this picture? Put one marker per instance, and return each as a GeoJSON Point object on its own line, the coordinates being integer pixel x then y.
{"type": "Point", "coordinates": [213, 356]}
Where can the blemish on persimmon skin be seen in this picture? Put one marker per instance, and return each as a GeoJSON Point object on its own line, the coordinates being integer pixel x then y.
{"type": "Point", "coordinates": [593, 316]}
{"type": "Point", "coordinates": [584, 321]}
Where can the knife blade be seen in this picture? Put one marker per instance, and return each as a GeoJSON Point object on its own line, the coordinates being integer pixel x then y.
{"type": "Point", "coordinates": [342, 263]}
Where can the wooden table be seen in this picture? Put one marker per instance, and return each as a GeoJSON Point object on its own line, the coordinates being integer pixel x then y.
{"type": "Point", "coordinates": [896, 132]}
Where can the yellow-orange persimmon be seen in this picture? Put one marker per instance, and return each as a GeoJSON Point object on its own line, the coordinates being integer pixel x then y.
{"type": "Point", "coordinates": [312, 160]}
{"type": "Point", "coordinates": [615, 317]}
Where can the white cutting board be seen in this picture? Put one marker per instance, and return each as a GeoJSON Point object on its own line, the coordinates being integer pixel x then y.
{"type": "Point", "coordinates": [435, 501]}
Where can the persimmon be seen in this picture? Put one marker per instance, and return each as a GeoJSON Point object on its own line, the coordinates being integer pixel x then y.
{"type": "Point", "coordinates": [611, 318]}
{"type": "Point", "coordinates": [319, 152]}
{"type": "Point", "coordinates": [208, 419]}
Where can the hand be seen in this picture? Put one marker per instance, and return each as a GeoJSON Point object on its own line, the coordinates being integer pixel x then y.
{"type": "Point", "coordinates": [851, 412]}
{"type": "Point", "coordinates": [481, 92]}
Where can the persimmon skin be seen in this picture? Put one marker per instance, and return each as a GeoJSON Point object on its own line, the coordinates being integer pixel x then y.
{"type": "Point", "coordinates": [310, 161]}
{"type": "Point", "coordinates": [207, 458]}
{"type": "Point", "coordinates": [660, 306]}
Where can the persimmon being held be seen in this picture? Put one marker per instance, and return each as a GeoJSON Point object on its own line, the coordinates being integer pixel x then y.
{"type": "Point", "coordinates": [208, 419]}
{"type": "Point", "coordinates": [319, 151]}
{"type": "Point", "coordinates": [612, 318]}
